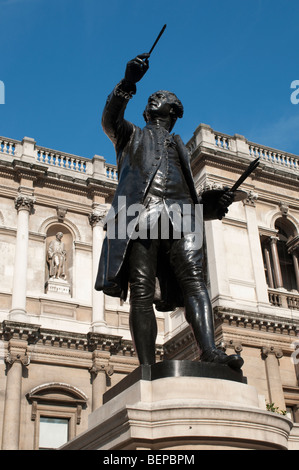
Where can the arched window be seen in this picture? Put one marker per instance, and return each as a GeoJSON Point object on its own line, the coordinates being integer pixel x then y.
{"type": "Point", "coordinates": [56, 410]}
{"type": "Point", "coordinates": [285, 233]}
{"type": "Point", "coordinates": [280, 254]}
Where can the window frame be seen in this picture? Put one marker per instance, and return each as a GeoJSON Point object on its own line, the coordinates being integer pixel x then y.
{"type": "Point", "coordinates": [47, 411]}
{"type": "Point", "coordinates": [56, 400]}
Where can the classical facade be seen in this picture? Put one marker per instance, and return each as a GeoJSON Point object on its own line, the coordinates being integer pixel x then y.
{"type": "Point", "coordinates": [62, 344]}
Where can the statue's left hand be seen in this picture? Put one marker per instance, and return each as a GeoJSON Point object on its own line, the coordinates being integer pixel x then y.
{"type": "Point", "coordinates": [224, 202]}
{"type": "Point", "coordinates": [136, 68]}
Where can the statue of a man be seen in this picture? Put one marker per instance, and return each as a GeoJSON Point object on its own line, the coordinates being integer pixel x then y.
{"type": "Point", "coordinates": [154, 171]}
{"type": "Point", "coordinates": [57, 257]}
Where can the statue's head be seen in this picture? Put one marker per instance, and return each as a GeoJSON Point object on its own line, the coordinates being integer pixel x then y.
{"type": "Point", "coordinates": [163, 104]}
{"type": "Point", "coordinates": [59, 235]}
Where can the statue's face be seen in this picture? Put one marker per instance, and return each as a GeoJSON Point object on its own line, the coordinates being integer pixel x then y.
{"type": "Point", "coordinates": [158, 105]}
{"type": "Point", "coordinates": [163, 105]}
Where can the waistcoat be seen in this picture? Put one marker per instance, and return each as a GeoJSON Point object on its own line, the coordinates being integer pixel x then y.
{"type": "Point", "coordinates": [168, 195]}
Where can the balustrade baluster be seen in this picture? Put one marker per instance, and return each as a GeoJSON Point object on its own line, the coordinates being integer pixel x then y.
{"type": "Point", "coordinates": [10, 148]}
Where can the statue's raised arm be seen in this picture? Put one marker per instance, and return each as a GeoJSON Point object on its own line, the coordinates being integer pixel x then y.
{"type": "Point", "coordinates": [114, 124]}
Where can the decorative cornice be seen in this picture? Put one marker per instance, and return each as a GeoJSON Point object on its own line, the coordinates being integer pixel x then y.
{"type": "Point", "coordinates": [18, 330]}
{"type": "Point", "coordinates": [31, 334]}
{"type": "Point", "coordinates": [179, 343]}
{"type": "Point", "coordinates": [104, 342]}
{"type": "Point", "coordinates": [255, 321]}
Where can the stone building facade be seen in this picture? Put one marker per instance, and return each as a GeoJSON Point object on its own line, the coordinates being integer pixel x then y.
{"type": "Point", "coordinates": [62, 344]}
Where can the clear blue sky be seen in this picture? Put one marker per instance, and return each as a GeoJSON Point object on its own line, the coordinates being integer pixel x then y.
{"type": "Point", "coordinates": [231, 62]}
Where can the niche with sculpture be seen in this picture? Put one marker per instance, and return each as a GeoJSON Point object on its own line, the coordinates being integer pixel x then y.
{"type": "Point", "coordinates": [59, 261]}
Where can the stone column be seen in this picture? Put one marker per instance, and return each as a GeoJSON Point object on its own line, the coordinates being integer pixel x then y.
{"type": "Point", "coordinates": [16, 359]}
{"type": "Point", "coordinates": [99, 371]}
{"type": "Point", "coordinates": [98, 308]}
{"type": "Point", "coordinates": [24, 205]}
{"type": "Point", "coordinates": [271, 356]}
{"type": "Point", "coordinates": [269, 267]}
{"type": "Point", "coordinates": [276, 264]}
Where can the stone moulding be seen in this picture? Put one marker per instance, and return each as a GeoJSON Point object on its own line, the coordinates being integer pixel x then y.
{"type": "Point", "coordinates": [197, 412]}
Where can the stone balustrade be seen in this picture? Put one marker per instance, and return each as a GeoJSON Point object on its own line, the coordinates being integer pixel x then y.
{"type": "Point", "coordinates": [63, 160]}
{"type": "Point", "coordinates": [205, 136]}
{"type": "Point", "coordinates": [278, 298]}
{"type": "Point", "coordinates": [8, 146]}
{"type": "Point", "coordinates": [274, 156]}
{"type": "Point", "coordinates": [27, 150]}
{"type": "Point", "coordinates": [222, 141]}
{"type": "Point", "coordinates": [111, 172]}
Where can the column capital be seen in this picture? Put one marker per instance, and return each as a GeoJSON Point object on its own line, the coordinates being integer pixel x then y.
{"type": "Point", "coordinates": [97, 215]}
{"type": "Point", "coordinates": [24, 202]}
{"type": "Point", "coordinates": [268, 350]}
{"type": "Point", "coordinates": [100, 363]}
{"type": "Point", "coordinates": [237, 346]}
{"type": "Point", "coordinates": [17, 352]}
{"type": "Point", "coordinates": [273, 239]}
{"type": "Point", "coordinates": [96, 368]}
{"type": "Point", "coordinates": [251, 199]}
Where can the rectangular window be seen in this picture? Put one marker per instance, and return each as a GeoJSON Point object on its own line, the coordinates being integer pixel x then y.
{"type": "Point", "coordinates": [53, 432]}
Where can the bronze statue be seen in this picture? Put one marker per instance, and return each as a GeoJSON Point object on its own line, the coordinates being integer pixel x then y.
{"type": "Point", "coordinates": [154, 173]}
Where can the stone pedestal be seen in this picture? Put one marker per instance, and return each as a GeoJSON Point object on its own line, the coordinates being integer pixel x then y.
{"type": "Point", "coordinates": [158, 408]}
{"type": "Point", "coordinates": [58, 287]}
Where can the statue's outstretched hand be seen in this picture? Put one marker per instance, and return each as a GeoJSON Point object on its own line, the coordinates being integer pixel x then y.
{"type": "Point", "coordinates": [224, 202]}
{"type": "Point", "coordinates": [136, 68]}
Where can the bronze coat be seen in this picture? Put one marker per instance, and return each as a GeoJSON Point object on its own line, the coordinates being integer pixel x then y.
{"type": "Point", "coordinates": [137, 162]}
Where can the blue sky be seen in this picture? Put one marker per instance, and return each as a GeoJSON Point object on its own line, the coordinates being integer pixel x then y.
{"type": "Point", "coordinates": [231, 62]}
